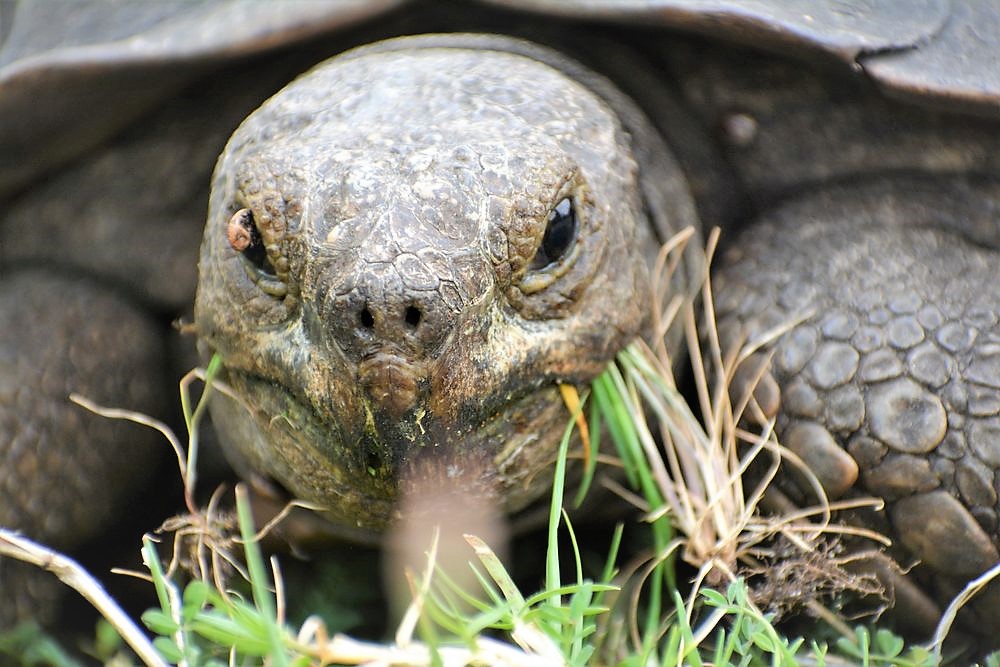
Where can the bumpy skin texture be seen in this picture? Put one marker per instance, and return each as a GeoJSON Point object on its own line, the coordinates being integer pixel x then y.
{"type": "Point", "coordinates": [899, 362]}
{"type": "Point", "coordinates": [401, 198]}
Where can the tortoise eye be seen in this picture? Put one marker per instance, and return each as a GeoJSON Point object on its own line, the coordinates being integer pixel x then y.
{"type": "Point", "coordinates": [560, 232]}
{"type": "Point", "coordinates": [244, 237]}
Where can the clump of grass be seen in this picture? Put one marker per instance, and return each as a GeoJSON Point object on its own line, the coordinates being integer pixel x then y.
{"type": "Point", "coordinates": [693, 471]}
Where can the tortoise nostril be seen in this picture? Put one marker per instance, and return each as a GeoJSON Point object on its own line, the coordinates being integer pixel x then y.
{"type": "Point", "coordinates": [366, 318]}
{"type": "Point", "coordinates": [413, 316]}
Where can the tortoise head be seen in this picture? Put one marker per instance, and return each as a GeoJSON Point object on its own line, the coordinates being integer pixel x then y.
{"type": "Point", "coordinates": [407, 249]}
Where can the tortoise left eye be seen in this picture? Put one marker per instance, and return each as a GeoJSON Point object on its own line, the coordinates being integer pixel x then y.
{"type": "Point", "coordinates": [560, 232]}
{"type": "Point", "coordinates": [244, 237]}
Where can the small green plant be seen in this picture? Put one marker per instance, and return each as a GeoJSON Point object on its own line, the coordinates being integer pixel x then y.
{"type": "Point", "coordinates": [884, 648]}
{"type": "Point", "coordinates": [28, 644]}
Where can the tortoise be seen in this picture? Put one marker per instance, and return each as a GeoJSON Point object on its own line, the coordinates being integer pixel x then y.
{"type": "Point", "coordinates": [411, 244]}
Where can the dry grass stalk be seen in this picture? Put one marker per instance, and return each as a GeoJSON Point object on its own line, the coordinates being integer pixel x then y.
{"type": "Point", "coordinates": [76, 577]}
{"type": "Point", "coordinates": [700, 471]}
{"type": "Point", "coordinates": [951, 613]}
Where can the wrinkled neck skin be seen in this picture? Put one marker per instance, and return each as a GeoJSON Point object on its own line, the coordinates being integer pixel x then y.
{"type": "Point", "coordinates": [398, 307]}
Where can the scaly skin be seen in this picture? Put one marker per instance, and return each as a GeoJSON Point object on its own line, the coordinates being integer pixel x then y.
{"type": "Point", "coordinates": [401, 197]}
{"type": "Point", "coordinates": [893, 381]}
{"type": "Point", "coordinates": [51, 325]}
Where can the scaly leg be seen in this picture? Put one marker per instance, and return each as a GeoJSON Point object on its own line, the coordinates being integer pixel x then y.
{"type": "Point", "coordinates": [64, 471]}
{"type": "Point", "coordinates": [892, 384]}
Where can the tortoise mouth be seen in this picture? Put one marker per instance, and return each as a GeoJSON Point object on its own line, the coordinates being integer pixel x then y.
{"type": "Point", "coordinates": [352, 466]}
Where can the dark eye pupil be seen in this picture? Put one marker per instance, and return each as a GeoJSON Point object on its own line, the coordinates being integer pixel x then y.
{"type": "Point", "coordinates": [559, 235]}
{"type": "Point", "coordinates": [258, 256]}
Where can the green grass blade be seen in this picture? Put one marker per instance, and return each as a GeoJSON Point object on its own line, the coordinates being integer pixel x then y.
{"type": "Point", "coordinates": [552, 577]}
{"type": "Point", "coordinates": [259, 578]}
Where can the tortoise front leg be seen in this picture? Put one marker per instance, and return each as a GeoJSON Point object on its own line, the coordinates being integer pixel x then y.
{"type": "Point", "coordinates": [64, 471]}
{"type": "Point", "coordinates": [891, 386]}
